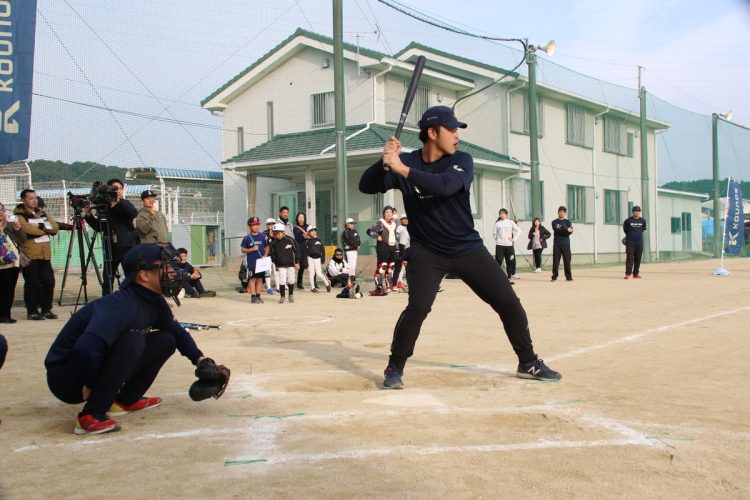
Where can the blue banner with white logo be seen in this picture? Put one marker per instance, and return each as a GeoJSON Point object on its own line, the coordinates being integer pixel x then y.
{"type": "Point", "coordinates": [17, 29]}
{"type": "Point", "coordinates": [734, 227]}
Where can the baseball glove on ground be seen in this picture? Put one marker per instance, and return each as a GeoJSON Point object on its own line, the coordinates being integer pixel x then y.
{"type": "Point", "coordinates": [212, 380]}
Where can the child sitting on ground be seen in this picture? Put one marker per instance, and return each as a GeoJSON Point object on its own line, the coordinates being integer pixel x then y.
{"type": "Point", "coordinates": [351, 290]}
{"type": "Point", "coordinates": [191, 277]}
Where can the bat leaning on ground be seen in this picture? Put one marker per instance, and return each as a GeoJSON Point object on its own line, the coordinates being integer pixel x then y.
{"type": "Point", "coordinates": [199, 326]}
{"type": "Point", "coordinates": [411, 91]}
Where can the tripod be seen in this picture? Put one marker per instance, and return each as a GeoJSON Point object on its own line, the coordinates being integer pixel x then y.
{"type": "Point", "coordinates": [80, 235]}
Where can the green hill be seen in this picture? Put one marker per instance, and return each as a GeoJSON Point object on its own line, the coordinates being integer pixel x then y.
{"type": "Point", "coordinates": [84, 172]}
{"type": "Point", "coordinates": [705, 186]}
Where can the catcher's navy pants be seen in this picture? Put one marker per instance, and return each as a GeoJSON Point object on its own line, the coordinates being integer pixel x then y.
{"type": "Point", "coordinates": [128, 369]}
{"type": "Point", "coordinates": [477, 269]}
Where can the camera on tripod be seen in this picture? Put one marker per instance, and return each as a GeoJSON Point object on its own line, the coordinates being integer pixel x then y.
{"type": "Point", "coordinates": [99, 198]}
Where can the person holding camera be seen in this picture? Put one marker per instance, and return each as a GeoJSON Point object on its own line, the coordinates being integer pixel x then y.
{"type": "Point", "coordinates": [120, 215]}
{"type": "Point", "coordinates": [38, 276]}
{"type": "Point", "coordinates": [110, 352]}
{"type": "Point", "coordinates": [150, 223]}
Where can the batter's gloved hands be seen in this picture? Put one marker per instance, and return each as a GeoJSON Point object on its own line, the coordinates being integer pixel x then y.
{"type": "Point", "coordinates": [212, 380]}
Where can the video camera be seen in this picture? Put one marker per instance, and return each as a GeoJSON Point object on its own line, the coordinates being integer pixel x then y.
{"type": "Point", "coordinates": [99, 198]}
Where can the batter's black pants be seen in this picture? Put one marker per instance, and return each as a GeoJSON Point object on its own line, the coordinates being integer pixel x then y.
{"type": "Point", "coordinates": [478, 270]}
{"type": "Point", "coordinates": [633, 254]}
{"type": "Point", "coordinates": [128, 369]}
{"type": "Point", "coordinates": [557, 252]}
{"type": "Point", "coordinates": [38, 286]}
{"type": "Point", "coordinates": [507, 254]}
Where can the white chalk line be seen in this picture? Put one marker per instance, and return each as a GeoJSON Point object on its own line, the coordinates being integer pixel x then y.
{"type": "Point", "coordinates": [636, 336]}
{"type": "Point", "coordinates": [277, 321]}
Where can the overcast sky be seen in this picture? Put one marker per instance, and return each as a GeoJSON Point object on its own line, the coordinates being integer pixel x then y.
{"type": "Point", "coordinates": [153, 61]}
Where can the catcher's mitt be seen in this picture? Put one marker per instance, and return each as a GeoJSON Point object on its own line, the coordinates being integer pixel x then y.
{"type": "Point", "coordinates": [212, 380]}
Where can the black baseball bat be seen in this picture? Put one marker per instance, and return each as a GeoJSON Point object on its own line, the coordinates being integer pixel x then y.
{"type": "Point", "coordinates": [411, 91]}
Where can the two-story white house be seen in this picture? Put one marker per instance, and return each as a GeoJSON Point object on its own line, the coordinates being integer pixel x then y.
{"type": "Point", "coordinates": [280, 150]}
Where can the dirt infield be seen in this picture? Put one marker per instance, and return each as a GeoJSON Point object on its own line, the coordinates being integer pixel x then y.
{"type": "Point", "coordinates": [651, 405]}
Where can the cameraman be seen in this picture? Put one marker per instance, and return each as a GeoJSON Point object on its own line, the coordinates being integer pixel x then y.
{"type": "Point", "coordinates": [120, 215]}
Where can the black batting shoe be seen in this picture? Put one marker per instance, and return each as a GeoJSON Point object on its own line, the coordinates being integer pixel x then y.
{"type": "Point", "coordinates": [537, 370]}
{"type": "Point", "coordinates": [392, 379]}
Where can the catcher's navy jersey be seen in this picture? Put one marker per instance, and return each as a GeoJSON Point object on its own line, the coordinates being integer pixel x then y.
{"type": "Point", "coordinates": [436, 197]}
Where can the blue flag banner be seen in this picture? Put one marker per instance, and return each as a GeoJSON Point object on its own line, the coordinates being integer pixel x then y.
{"type": "Point", "coordinates": [734, 227]}
{"type": "Point", "coordinates": [17, 30]}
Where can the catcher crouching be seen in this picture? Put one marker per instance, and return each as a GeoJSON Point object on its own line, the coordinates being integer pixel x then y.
{"type": "Point", "coordinates": [109, 352]}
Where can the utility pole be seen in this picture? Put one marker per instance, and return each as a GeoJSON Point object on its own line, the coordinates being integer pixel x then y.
{"type": "Point", "coordinates": [342, 182]}
{"type": "Point", "coordinates": [644, 168]}
{"type": "Point", "coordinates": [536, 191]}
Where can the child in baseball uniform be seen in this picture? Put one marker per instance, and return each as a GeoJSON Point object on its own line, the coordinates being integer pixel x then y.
{"type": "Point", "coordinates": [316, 255]}
{"type": "Point", "coordinates": [285, 255]}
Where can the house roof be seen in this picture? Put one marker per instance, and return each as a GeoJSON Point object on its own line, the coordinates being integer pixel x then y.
{"type": "Point", "coordinates": [360, 138]}
{"type": "Point", "coordinates": [299, 32]}
{"type": "Point", "coordinates": [175, 173]}
{"type": "Point", "coordinates": [424, 48]}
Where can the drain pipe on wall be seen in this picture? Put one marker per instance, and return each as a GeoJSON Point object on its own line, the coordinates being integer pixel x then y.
{"type": "Point", "coordinates": [593, 182]}
{"type": "Point", "coordinates": [374, 92]}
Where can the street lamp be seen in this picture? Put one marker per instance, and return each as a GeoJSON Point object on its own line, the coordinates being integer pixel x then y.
{"type": "Point", "coordinates": [536, 191]}
{"type": "Point", "coordinates": [727, 117]}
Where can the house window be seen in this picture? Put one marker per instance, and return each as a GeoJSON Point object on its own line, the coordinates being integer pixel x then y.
{"type": "Point", "coordinates": [616, 206]}
{"type": "Point", "coordinates": [614, 135]}
{"type": "Point", "coordinates": [520, 198]}
{"type": "Point", "coordinates": [240, 139]}
{"type": "Point", "coordinates": [323, 109]}
{"type": "Point", "coordinates": [269, 120]}
{"type": "Point", "coordinates": [578, 126]}
{"type": "Point", "coordinates": [631, 144]}
{"type": "Point", "coordinates": [419, 106]}
{"type": "Point", "coordinates": [580, 203]}
{"type": "Point", "coordinates": [475, 198]}
{"type": "Point", "coordinates": [539, 115]}
{"type": "Point", "coordinates": [676, 225]}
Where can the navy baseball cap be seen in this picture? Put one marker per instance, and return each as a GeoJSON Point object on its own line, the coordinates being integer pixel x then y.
{"type": "Point", "coordinates": [148, 194]}
{"type": "Point", "coordinates": [147, 256]}
{"type": "Point", "coordinates": [636, 208]}
{"type": "Point", "coordinates": [440, 115]}
{"type": "Point", "coordinates": [562, 208]}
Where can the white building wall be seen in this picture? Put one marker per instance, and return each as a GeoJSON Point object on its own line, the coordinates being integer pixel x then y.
{"type": "Point", "coordinates": [290, 87]}
{"type": "Point", "coordinates": [235, 211]}
{"type": "Point", "coordinates": [673, 205]}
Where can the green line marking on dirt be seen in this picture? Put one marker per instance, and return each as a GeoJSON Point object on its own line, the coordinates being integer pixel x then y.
{"type": "Point", "coordinates": [245, 396]}
{"type": "Point", "coordinates": [463, 366]}
{"type": "Point", "coordinates": [663, 437]}
{"type": "Point", "coordinates": [258, 417]}
{"type": "Point", "coordinates": [245, 462]}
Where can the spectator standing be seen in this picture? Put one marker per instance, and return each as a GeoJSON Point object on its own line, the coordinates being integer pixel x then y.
{"type": "Point", "coordinates": [402, 257]}
{"type": "Point", "coordinates": [562, 228]}
{"type": "Point", "coordinates": [285, 254]}
{"type": "Point", "coordinates": [268, 234]}
{"type": "Point", "coordinates": [300, 235]}
{"type": "Point", "coordinates": [316, 255]}
{"type": "Point", "coordinates": [38, 276]}
{"type": "Point", "coordinates": [634, 227]}
{"type": "Point", "coordinates": [254, 247]}
{"type": "Point", "coordinates": [538, 236]}
{"type": "Point", "coordinates": [351, 242]}
{"type": "Point", "coordinates": [10, 233]}
{"type": "Point", "coordinates": [150, 223]}
{"type": "Point", "coordinates": [506, 233]}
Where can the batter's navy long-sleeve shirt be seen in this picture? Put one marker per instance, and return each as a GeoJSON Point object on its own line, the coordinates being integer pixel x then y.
{"type": "Point", "coordinates": [436, 197]}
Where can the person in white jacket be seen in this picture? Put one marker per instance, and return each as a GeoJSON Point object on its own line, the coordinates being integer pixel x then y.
{"type": "Point", "coordinates": [338, 269]}
{"type": "Point", "coordinates": [506, 233]}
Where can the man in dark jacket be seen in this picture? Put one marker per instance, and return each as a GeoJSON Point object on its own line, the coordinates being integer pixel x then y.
{"type": "Point", "coordinates": [351, 243]}
{"type": "Point", "coordinates": [634, 227]}
{"type": "Point", "coordinates": [561, 227]}
{"type": "Point", "coordinates": [120, 216]}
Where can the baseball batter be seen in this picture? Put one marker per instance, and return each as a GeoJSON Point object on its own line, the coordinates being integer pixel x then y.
{"type": "Point", "coordinates": [435, 182]}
